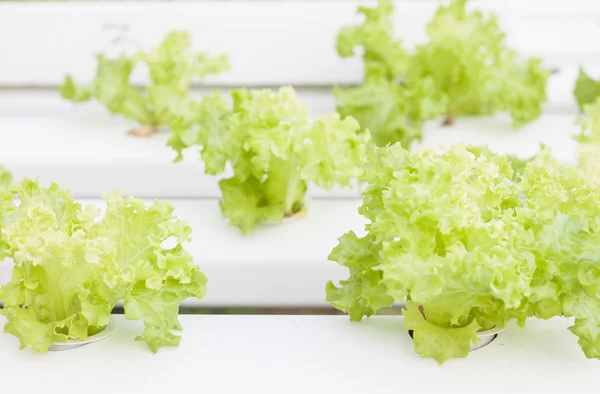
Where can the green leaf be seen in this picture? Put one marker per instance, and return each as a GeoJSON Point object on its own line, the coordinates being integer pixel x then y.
{"type": "Point", "coordinates": [333, 152]}
{"type": "Point", "coordinates": [203, 124]}
{"type": "Point", "coordinates": [70, 91]}
{"type": "Point", "coordinates": [364, 292]}
{"type": "Point", "coordinates": [587, 90]}
{"type": "Point", "coordinates": [158, 308]}
{"type": "Point", "coordinates": [375, 36]}
{"type": "Point", "coordinates": [173, 63]}
{"type": "Point", "coordinates": [518, 163]}
{"type": "Point", "coordinates": [439, 343]}
{"type": "Point", "coordinates": [33, 333]}
{"type": "Point", "coordinates": [245, 204]}
{"type": "Point", "coordinates": [391, 112]}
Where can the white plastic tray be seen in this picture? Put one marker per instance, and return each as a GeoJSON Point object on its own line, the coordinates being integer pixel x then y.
{"type": "Point", "coordinates": [305, 354]}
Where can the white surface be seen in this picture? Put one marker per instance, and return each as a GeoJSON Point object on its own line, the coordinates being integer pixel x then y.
{"type": "Point", "coordinates": [282, 265]}
{"type": "Point", "coordinates": [269, 42]}
{"type": "Point", "coordinates": [306, 354]}
{"type": "Point", "coordinates": [555, 131]}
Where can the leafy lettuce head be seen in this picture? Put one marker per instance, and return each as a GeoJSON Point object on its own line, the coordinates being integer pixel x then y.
{"type": "Point", "coordinates": [470, 248]}
{"type": "Point", "coordinates": [470, 63]}
{"type": "Point", "coordinates": [73, 264]}
{"type": "Point", "coordinates": [274, 149]}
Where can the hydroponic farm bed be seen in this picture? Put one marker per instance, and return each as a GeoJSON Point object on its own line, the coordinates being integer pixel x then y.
{"type": "Point", "coordinates": [468, 202]}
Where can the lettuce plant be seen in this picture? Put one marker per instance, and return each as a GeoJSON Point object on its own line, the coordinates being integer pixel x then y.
{"type": "Point", "coordinates": [172, 69]}
{"type": "Point", "coordinates": [471, 65]}
{"type": "Point", "coordinates": [391, 107]}
{"type": "Point", "coordinates": [73, 264]}
{"type": "Point", "coordinates": [464, 69]}
{"type": "Point", "coordinates": [274, 150]}
{"type": "Point", "coordinates": [470, 248]}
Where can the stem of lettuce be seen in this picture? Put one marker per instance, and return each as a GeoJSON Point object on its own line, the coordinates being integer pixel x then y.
{"type": "Point", "coordinates": [284, 185]}
{"type": "Point", "coordinates": [448, 120]}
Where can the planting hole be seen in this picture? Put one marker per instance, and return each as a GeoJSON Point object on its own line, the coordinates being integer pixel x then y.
{"type": "Point", "coordinates": [483, 340]}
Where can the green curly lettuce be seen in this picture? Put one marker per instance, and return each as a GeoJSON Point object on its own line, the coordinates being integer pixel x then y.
{"type": "Point", "coordinates": [390, 107]}
{"type": "Point", "coordinates": [470, 63]}
{"type": "Point", "coordinates": [172, 69]}
{"type": "Point", "coordinates": [73, 264]}
{"type": "Point", "coordinates": [450, 233]}
{"type": "Point", "coordinates": [464, 69]}
{"type": "Point", "coordinates": [274, 150]}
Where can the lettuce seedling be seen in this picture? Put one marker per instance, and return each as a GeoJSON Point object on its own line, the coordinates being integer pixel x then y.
{"type": "Point", "coordinates": [274, 150]}
{"type": "Point", "coordinates": [472, 66]}
{"type": "Point", "coordinates": [172, 69]}
{"type": "Point", "coordinates": [465, 68]}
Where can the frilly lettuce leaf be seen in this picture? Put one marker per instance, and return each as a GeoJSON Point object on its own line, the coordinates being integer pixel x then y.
{"type": "Point", "coordinates": [245, 203]}
{"type": "Point", "coordinates": [203, 124]}
{"type": "Point", "coordinates": [173, 64]}
{"type": "Point", "coordinates": [265, 125]}
{"type": "Point", "coordinates": [375, 36]}
{"type": "Point", "coordinates": [439, 343]}
{"type": "Point", "coordinates": [112, 89]}
{"type": "Point", "coordinates": [333, 151]}
{"type": "Point", "coordinates": [364, 292]}
{"type": "Point", "coordinates": [73, 264]}
{"type": "Point", "coordinates": [274, 149]}
{"type": "Point", "coordinates": [172, 68]}
{"type": "Point", "coordinates": [471, 246]}
{"type": "Point", "coordinates": [393, 112]}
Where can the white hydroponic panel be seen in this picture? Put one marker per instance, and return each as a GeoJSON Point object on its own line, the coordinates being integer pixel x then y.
{"type": "Point", "coordinates": [86, 150]}
{"type": "Point", "coordinates": [269, 42]}
{"type": "Point", "coordinates": [304, 354]}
